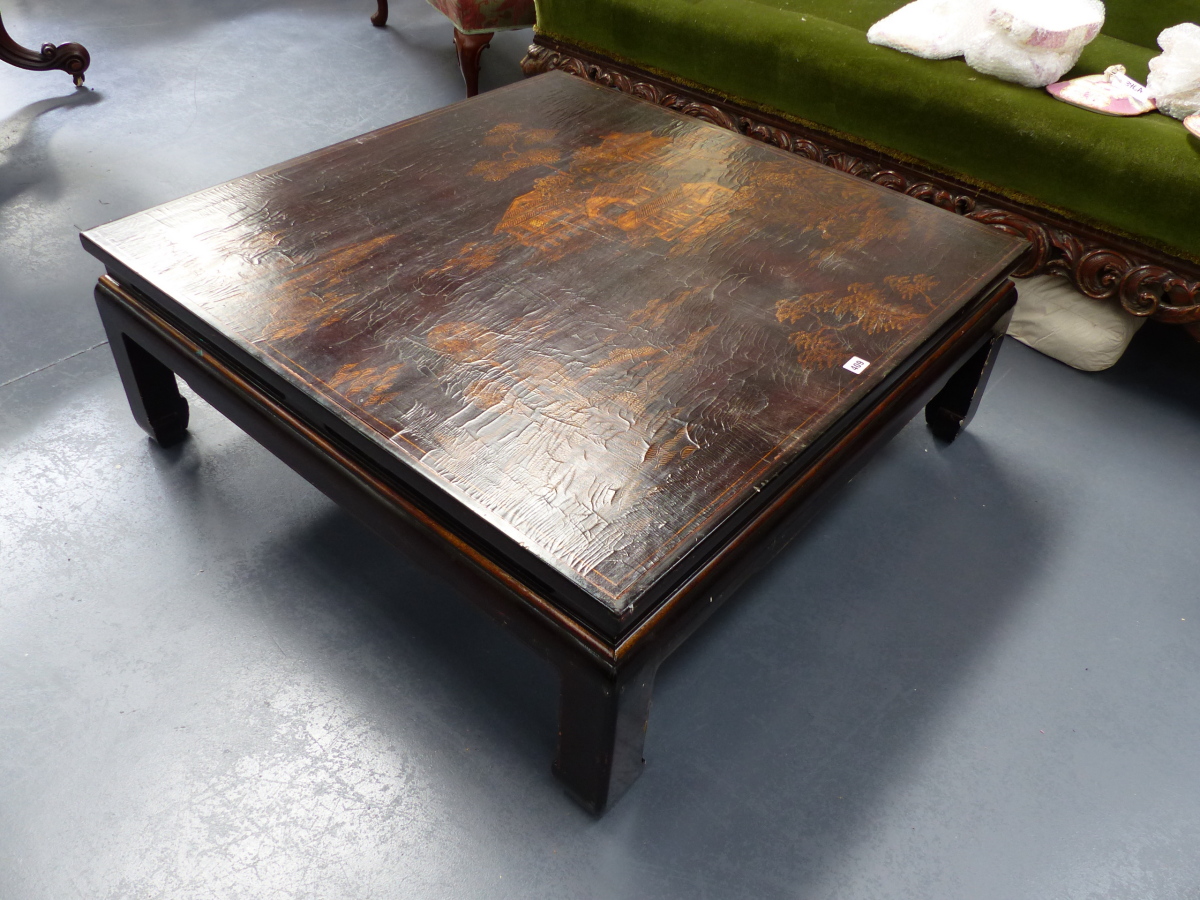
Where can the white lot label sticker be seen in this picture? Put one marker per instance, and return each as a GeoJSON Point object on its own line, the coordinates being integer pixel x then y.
{"type": "Point", "coordinates": [856, 364]}
{"type": "Point", "coordinates": [1138, 90]}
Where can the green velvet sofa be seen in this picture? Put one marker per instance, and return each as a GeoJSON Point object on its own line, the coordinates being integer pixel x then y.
{"type": "Point", "coordinates": [1113, 204]}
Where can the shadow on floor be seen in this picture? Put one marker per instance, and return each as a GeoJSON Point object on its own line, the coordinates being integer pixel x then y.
{"type": "Point", "coordinates": [779, 726]}
{"type": "Point", "coordinates": [1162, 362]}
{"type": "Point", "coordinates": [377, 604]}
{"type": "Point", "coordinates": [789, 719]}
{"type": "Point", "coordinates": [24, 161]}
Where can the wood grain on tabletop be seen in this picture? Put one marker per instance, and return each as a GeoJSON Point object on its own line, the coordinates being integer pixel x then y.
{"type": "Point", "coordinates": [598, 324]}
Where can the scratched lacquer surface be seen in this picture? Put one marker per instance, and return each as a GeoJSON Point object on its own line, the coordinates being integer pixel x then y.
{"type": "Point", "coordinates": [601, 326]}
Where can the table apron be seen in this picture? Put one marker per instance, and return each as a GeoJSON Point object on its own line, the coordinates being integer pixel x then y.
{"type": "Point", "coordinates": [345, 479]}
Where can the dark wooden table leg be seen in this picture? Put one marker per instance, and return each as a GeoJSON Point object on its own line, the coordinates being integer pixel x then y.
{"type": "Point", "coordinates": [72, 58]}
{"type": "Point", "coordinates": [953, 407]}
{"type": "Point", "coordinates": [601, 730]}
{"type": "Point", "coordinates": [150, 386]}
{"type": "Point", "coordinates": [381, 14]}
{"type": "Point", "coordinates": [469, 47]}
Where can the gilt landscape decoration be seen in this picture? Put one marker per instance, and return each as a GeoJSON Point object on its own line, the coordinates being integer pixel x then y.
{"type": "Point", "coordinates": [605, 335]}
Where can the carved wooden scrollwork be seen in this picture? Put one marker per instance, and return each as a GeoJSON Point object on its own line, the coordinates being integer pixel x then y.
{"type": "Point", "coordinates": [1143, 285]}
{"type": "Point", "coordinates": [542, 59]}
{"type": "Point", "coordinates": [71, 58]}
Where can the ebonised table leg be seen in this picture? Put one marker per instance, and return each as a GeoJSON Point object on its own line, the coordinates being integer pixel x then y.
{"type": "Point", "coordinates": [953, 407]}
{"type": "Point", "coordinates": [72, 58]}
{"type": "Point", "coordinates": [601, 731]}
{"type": "Point", "coordinates": [381, 14]}
{"type": "Point", "coordinates": [469, 47]}
{"type": "Point", "coordinates": [150, 386]}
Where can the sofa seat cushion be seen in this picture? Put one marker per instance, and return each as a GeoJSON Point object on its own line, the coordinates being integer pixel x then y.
{"type": "Point", "coordinates": [810, 61]}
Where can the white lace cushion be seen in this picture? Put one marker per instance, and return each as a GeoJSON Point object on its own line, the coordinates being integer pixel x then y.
{"type": "Point", "coordinates": [1174, 80]}
{"type": "Point", "coordinates": [932, 29]}
{"type": "Point", "coordinates": [996, 54]}
{"type": "Point", "coordinates": [1031, 42]}
{"type": "Point", "coordinates": [1065, 26]}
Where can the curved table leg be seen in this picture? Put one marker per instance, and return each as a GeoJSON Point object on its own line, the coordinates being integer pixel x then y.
{"type": "Point", "coordinates": [952, 409]}
{"type": "Point", "coordinates": [469, 46]}
{"type": "Point", "coordinates": [150, 386]}
{"type": "Point", "coordinates": [72, 58]}
{"type": "Point", "coordinates": [381, 14]}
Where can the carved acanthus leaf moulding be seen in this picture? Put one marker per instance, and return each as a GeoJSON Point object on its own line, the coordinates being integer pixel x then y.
{"type": "Point", "coordinates": [1146, 284]}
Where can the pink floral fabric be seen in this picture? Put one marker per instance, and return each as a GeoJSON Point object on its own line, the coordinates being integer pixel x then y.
{"type": "Point", "coordinates": [486, 15]}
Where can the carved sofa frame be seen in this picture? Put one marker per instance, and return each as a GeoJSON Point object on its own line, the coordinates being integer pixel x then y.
{"type": "Point", "coordinates": [1146, 281]}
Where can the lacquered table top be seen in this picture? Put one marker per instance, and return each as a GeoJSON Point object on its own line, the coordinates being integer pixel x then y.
{"type": "Point", "coordinates": [597, 326]}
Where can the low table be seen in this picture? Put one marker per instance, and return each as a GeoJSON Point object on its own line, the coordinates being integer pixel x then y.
{"type": "Point", "coordinates": [590, 360]}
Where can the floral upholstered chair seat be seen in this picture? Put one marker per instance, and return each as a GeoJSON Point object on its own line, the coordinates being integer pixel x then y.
{"type": "Point", "coordinates": [475, 21]}
{"type": "Point", "coordinates": [478, 16]}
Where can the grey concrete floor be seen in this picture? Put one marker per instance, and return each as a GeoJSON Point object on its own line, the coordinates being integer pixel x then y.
{"type": "Point", "coordinates": [974, 677]}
